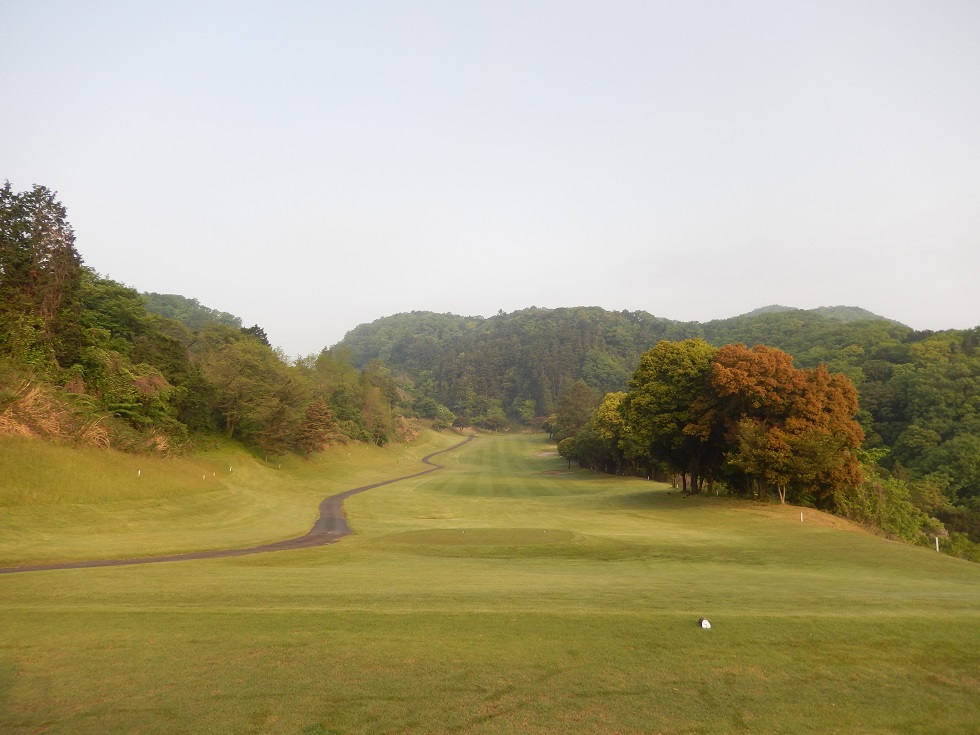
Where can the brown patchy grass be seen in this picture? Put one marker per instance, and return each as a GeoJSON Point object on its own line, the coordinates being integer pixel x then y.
{"type": "Point", "coordinates": [31, 411]}
{"type": "Point", "coordinates": [811, 516]}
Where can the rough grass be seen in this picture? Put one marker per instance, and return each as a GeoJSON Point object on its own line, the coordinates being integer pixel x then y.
{"type": "Point", "coordinates": [405, 628]}
{"type": "Point", "coordinates": [59, 503]}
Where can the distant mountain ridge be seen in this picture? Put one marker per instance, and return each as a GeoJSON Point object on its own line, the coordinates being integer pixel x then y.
{"type": "Point", "coordinates": [527, 359]}
{"type": "Point", "coordinates": [440, 324]}
{"type": "Point", "coordinates": [839, 313]}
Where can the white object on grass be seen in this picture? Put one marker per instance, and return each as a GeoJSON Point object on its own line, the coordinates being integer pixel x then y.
{"type": "Point", "coordinates": [703, 622]}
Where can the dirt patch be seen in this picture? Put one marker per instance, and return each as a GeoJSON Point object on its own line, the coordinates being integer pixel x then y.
{"type": "Point", "coordinates": [558, 472]}
{"type": "Point", "coordinates": [547, 453]}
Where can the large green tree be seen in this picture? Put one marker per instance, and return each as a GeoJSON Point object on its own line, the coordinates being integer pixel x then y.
{"type": "Point", "coordinates": [665, 408]}
{"type": "Point", "coordinates": [317, 428]}
{"type": "Point", "coordinates": [596, 445]}
{"type": "Point", "coordinates": [40, 273]}
{"type": "Point", "coordinates": [258, 396]}
{"type": "Point", "coordinates": [574, 410]}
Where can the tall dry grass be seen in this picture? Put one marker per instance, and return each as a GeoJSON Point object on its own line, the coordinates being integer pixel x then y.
{"type": "Point", "coordinates": [32, 412]}
{"type": "Point", "coordinates": [36, 411]}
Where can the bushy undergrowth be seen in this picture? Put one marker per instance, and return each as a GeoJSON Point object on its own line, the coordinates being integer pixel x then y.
{"type": "Point", "coordinates": [39, 410]}
{"type": "Point", "coordinates": [894, 507]}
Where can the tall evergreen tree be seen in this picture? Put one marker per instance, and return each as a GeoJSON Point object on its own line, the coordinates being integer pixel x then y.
{"type": "Point", "coordinates": [574, 410]}
{"type": "Point", "coordinates": [40, 272]}
{"type": "Point", "coordinates": [316, 429]}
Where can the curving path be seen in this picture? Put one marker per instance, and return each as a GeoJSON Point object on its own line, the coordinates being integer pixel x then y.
{"type": "Point", "coordinates": [329, 527]}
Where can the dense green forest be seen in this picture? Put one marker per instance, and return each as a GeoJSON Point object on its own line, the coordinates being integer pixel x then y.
{"type": "Point", "coordinates": [189, 312]}
{"type": "Point", "coordinates": [918, 393]}
{"type": "Point", "coordinates": [523, 362]}
{"type": "Point", "coordinates": [86, 359]}
{"type": "Point", "coordinates": [860, 415]}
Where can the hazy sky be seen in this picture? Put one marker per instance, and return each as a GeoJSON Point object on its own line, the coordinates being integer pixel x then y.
{"type": "Point", "coordinates": [309, 166]}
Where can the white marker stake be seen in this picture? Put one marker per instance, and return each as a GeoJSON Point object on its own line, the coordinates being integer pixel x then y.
{"type": "Point", "coordinates": [937, 543]}
{"type": "Point", "coordinates": [801, 516]}
{"type": "Point", "coordinates": [139, 472]}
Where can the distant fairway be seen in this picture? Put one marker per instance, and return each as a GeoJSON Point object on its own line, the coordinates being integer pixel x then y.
{"type": "Point", "coordinates": [502, 594]}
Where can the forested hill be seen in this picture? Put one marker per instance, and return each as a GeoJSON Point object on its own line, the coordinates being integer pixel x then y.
{"type": "Point", "coordinates": [840, 313]}
{"type": "Point", "coordinates": [87, 360]}
{"type": "Point", "coordinates": [532, 354]}
{"type": "Point", "coordinates": [919, 392]}
{"type": "Point", "coordinates": [189, 312]}
{"type": "Point", "coordinates": [524, 361]}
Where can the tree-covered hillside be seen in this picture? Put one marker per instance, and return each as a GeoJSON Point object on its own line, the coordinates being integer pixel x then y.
{"type": "Point", "coordinates": [840, 313]}
{"type": "Point", "coordinates": [89, 360]}
{"type": "Point", "coordinates": [519, 363]}
{"type": "Point", "coordinates": [526, 360]}
{"type": "Point", "coordinates": [83, 359]}
{"type": "Point", "coordinates": [189, 312]}
{"type": "Point", "coordinates": [919, 392]}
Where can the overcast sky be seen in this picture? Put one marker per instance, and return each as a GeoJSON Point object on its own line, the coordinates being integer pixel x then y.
{"type": "Point", "coordinates": [310, 166]}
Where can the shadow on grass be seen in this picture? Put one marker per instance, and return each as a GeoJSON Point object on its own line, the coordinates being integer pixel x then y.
{"type": "Point", "coordinates": [660, 499]}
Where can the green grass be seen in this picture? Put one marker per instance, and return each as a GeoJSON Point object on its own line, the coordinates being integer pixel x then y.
{"type": "Point", "coordinates": [60, 504]}
{"type": "Point", "coordinates": [451, 612]}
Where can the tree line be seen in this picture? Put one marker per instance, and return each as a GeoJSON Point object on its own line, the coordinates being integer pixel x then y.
{"type": "Point", "coordinates": [118, 373]}
{"type": "Point", "coordinates": [745, 417]}
{"type": "Point", "coordinates": [149, 371]}
{"type": "Point", "coordinates": [918, 392]}
{"type": "Point", "coordinates": [750, 421]}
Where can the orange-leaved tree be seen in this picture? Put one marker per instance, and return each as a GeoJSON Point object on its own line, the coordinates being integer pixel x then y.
{"type": "Point", "coordinates": [784, 427]}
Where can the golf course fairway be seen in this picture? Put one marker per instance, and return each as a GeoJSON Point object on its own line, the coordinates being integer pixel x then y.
{"type": "Point", "coordinates": [504, 593]}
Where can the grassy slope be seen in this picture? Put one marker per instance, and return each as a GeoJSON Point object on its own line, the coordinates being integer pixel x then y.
{"type": "Point", "coordinates": [64, 504]}
{"type": "Point", "coordinates": [450, 611]}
